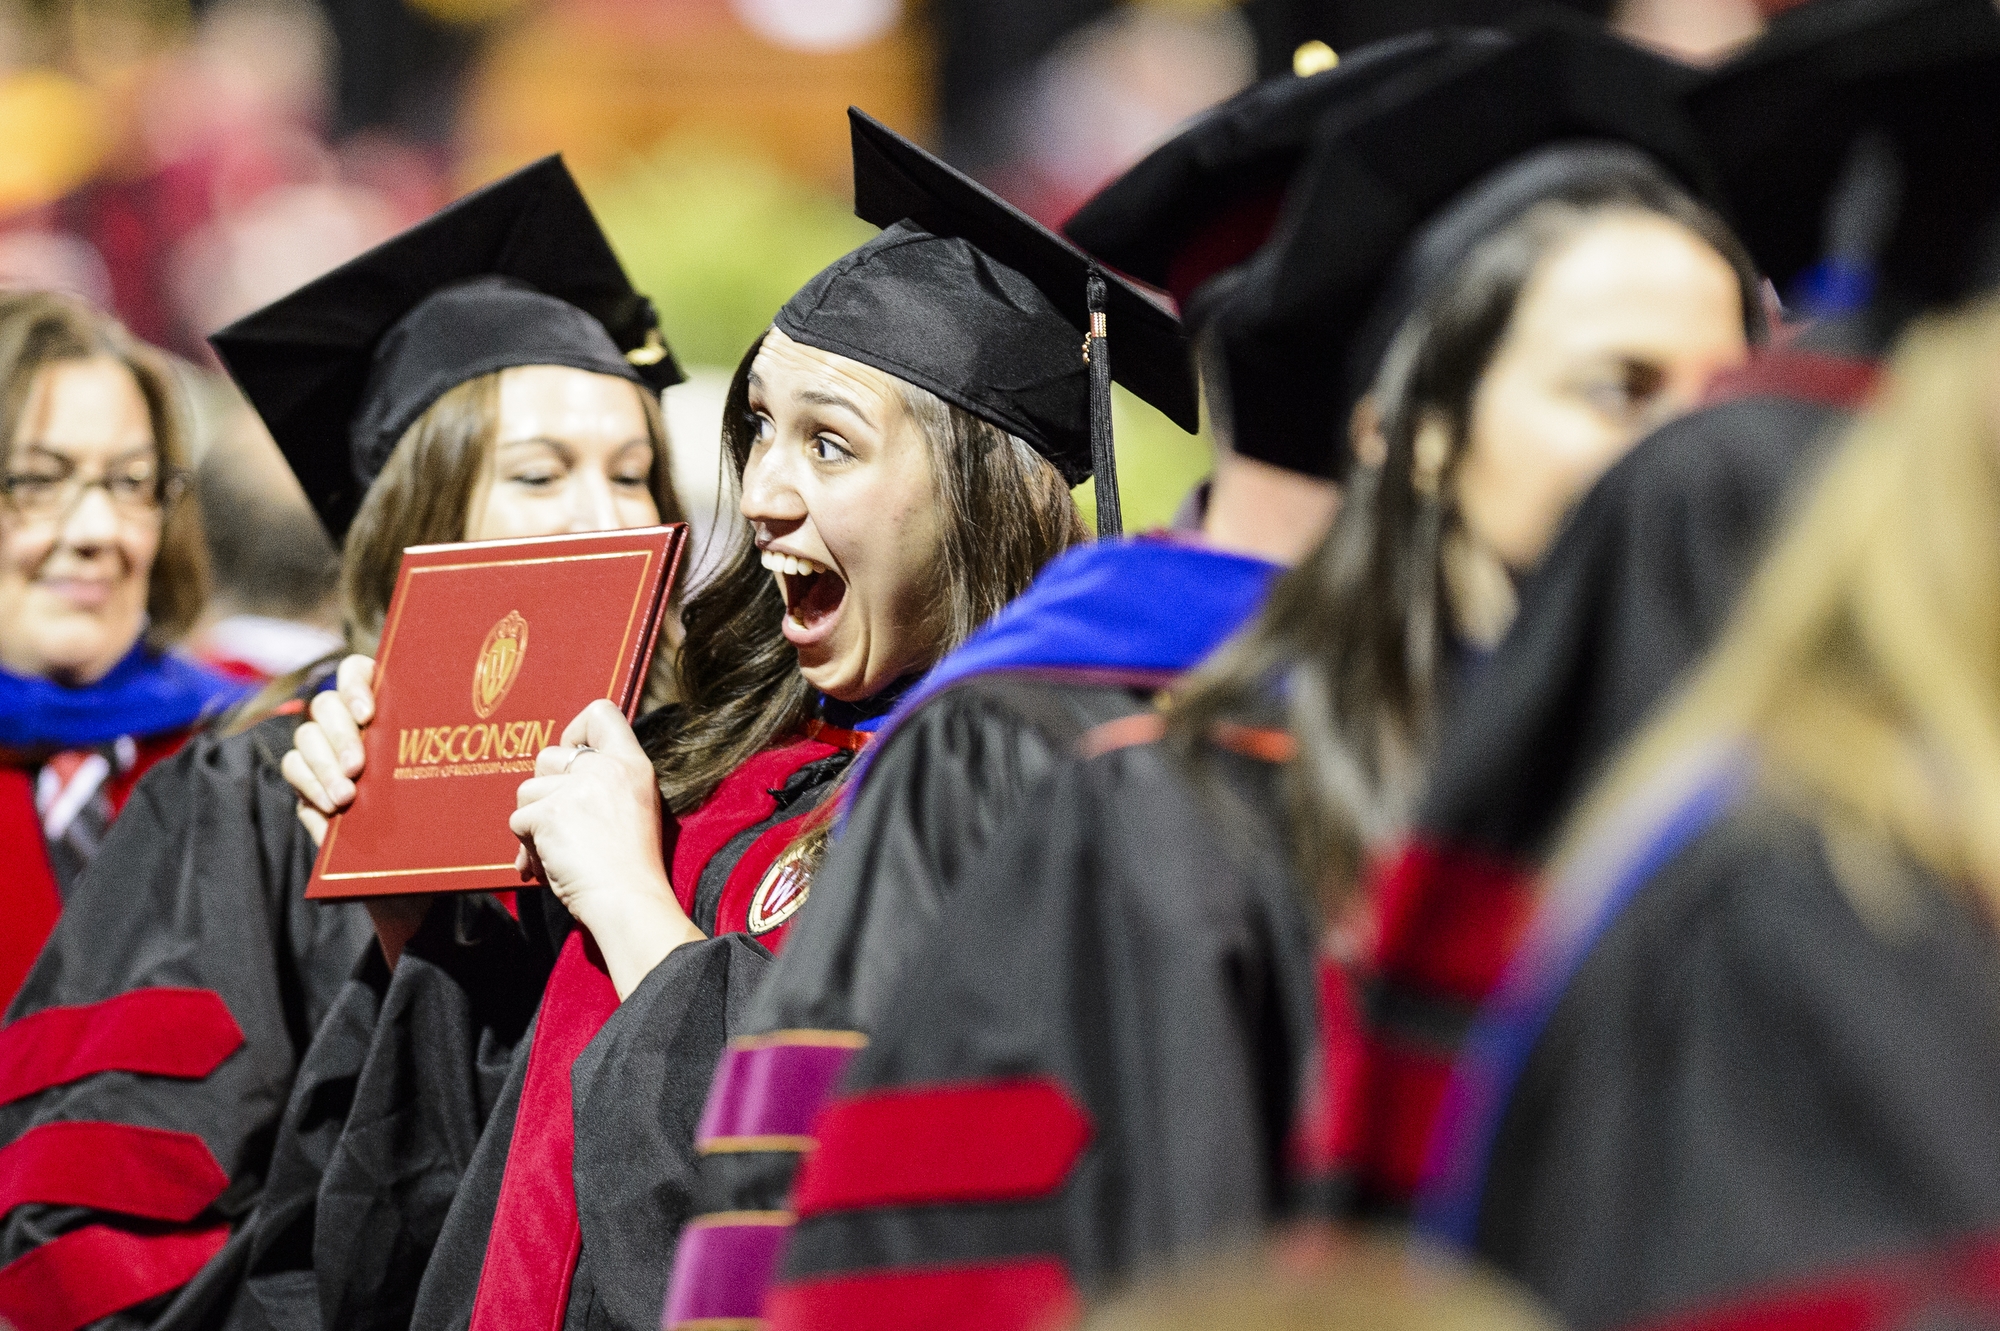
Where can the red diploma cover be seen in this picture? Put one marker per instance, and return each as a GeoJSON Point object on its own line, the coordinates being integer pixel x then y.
{"type": "Point", "coordinates": [489, 649]}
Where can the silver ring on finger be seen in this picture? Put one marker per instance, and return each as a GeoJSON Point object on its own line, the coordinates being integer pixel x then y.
{"type": "Point", "coordinates": [581, 749]}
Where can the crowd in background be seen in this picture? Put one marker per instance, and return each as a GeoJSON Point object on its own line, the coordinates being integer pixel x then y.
{"type": "Point", "coordinates": [181, 164]}
{"type": "Point", "coordinates": [1401, 796]}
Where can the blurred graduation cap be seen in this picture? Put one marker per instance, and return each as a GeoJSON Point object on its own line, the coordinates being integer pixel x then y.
{"type": "Point", "coordinates": [1204, 200]}
{"type": "Point", "coordinates": [966, 296]}
{"type": "Point", "coordinates": [1392, 201]}
{"type": "Point", "coordinates": [516, 273]}
{"type": "Point", "coordinates": [1865, 133]}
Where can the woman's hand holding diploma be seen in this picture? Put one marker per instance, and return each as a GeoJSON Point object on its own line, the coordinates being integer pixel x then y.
{"type": "Point", "coordinates": [590, 817]}
{"type": "Point", "coordinates": [325, 758]}
{"type": "Point", "coordinates": [326, 753]}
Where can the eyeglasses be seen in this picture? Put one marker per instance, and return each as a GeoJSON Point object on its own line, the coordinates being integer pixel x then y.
{"type": "Point", "coordinates": [51, 491]}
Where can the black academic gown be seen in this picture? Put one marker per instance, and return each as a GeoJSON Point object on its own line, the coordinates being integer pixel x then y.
{"type": "Point", "coordinates": [153, 1047]}
{"type": "Point", "coordinates": [399, 1142]}
{"type": "Point", "coordinates": [1097, 1062]}
{"type": "Point", "coordinates": [1772, 1085]}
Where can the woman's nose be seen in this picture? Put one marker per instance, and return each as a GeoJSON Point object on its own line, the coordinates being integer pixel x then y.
{"type": "Point", "coordinates": [92, 521]}
{"type": "Point", "coordinates": [595, 507]}
{"type": "Point", "coordinates": [768, 492]}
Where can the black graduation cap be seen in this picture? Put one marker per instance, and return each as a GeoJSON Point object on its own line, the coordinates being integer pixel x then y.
{"type": "Point", "coordinates": [1391, 202]}
{"type": "Point", "coordinates": [517, 273]}
{"type": "Point", "coordinates": [968, 297]}
{"type": "Point", "coordinates": [1784, 118]}
{"type": "Point", "coordinates": [1206, 199]}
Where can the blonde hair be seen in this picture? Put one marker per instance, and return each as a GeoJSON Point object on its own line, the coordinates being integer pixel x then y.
{"type": "Point", "coordinates": [1325, 1281]}
{"type": "Point", "coordinates": [1863, 662]}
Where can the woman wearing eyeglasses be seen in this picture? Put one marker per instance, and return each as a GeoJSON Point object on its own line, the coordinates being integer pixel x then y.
{"type": "Point", "coordinates": [102, 568]}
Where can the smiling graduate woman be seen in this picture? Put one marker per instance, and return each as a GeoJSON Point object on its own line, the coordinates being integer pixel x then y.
{"type": "Point", "coordinates": [470, 378]}
{"type": "Point", "coordinates": [904, 436]}
{"type": "Point", "coordinates": [102, 565]}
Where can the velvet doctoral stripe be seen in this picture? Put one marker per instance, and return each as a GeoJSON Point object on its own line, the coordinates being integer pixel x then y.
{"type": "Point", "coordinates": [996, 1140]}
{"type": "Point", "coordinates": [28, 893]}
{"type": "Point", "coordinates": [92, 1272]}
{"type": "Point", "coordinates": [536, 1238]}
{"type": "Point", "coordinates": [983, 1296]}
{"type": "Point", "coordinates": [164, 1032]}
{"type": "Point", "coordinates": [149, 1172]}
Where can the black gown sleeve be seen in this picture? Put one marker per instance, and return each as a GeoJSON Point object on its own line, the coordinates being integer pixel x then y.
{"type": "Point", "coordinates": [194, 897]}
{"type": "Point", "coordinates": [1749, 1081]}
{"type": "Point", "coordinates": [1095, 1063]}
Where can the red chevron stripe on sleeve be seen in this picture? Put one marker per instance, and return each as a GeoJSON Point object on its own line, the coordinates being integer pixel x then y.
{"type": "Point", "coordinates": [1004, 1140]}
{"type": "Point", "coordinates": [164, 1032]}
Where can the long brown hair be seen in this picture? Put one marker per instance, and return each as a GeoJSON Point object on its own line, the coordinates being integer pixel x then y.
{"type": "Point", "coordinates": [1353, 640]}
{"type": "Point", "coordinates": [1003, 512]}
{"type": "Point", "coordinates": [39, 329]}
{"type": "Point", "coordinates": [1863, 660]}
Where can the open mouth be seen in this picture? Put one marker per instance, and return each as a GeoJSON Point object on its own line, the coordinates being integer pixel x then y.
{"type": "Point", "coordinates": [813, 592]}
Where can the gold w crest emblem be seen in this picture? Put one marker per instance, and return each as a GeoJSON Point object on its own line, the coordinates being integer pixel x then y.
{"type": "Point", "coordinates": [500, 658]}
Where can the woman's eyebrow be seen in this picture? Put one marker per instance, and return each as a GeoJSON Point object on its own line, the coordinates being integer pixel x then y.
{"type": "Point", "coordinates": [820, 397]}
{"type": "Point", "coordinates": [540, 441]}
{"type": "Point", "coordinates": [133, 453]}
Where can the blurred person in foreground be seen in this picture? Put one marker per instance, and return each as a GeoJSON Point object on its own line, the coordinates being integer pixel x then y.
{"type": "Point", "coordinates": [188, 975]}
{"type": "Point", "coordinates": [1125, 977]}
{"type": "Point", "coordinates": [102, 568]}
{"type": "Point", "coordinates": [1112, 622]}
{"type": "Point", "coordinates": [1318, 1280]}
{"type": "Point", "coordinates": [1745, 1068]}
{"type": "Point", "coordinates": [1860, 146]}
{"type": "Point", "coordinates": [904, 437]}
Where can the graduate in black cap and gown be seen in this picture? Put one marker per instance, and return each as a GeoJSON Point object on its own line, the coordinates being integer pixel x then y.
{"type": "Point", "coordinates": [1107, 1052]}
{"type": "Point", "coordinates": [1743, 1070]}
{"type": "Point", "coordinates": [488, 373]}
{"type": "Point", "coordinates": [905, 436]}
{"type": "Point", "coordinates": [1099, 631]}
{"type": "Point", "coordinates": [1736, 1070]}
{"type": "Point", "coordinates": [1857, 145]}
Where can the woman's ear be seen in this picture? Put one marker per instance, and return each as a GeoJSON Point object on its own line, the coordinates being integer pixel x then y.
{"type": "Point", "coordinates": [1364, 433]}
{"type": "Point", "coordinates": [1430, 452]}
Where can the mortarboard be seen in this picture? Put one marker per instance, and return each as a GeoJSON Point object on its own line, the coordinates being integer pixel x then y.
{"type": "Point", "coordinates": [967, 297]}
{"type": "Point", "coordinates": [517, 273]}
{"type": "Point", "coordinates": [1784, 117]}
{"type": "Point", "coordinates": [1392, 201]}
{"type": "Point", "coordinates": [1204, 200]}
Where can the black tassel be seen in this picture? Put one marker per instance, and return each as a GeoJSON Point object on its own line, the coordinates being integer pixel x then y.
{"type": "Point", "coordinates": [1103, 458]}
